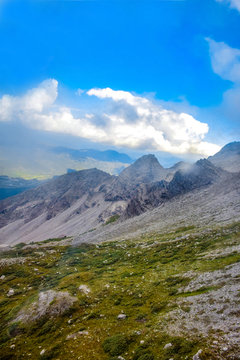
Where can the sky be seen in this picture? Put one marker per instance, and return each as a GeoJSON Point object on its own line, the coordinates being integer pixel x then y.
{"type": "Point", "coordinates": [139, 77]}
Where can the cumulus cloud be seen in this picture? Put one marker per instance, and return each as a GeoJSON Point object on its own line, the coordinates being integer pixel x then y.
{"type": "Point", "coordinates": [34, 101]}
{"type": "Point", "coordinates": [225, 60]}
{"type": "Point", "coordinates": [158, 128]}
{"type": "Point", "coordinates": [234, 4]}
{"type": "Point", "coordinates": [127, 120]}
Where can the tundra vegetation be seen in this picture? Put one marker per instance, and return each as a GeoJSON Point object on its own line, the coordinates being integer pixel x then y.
{"type": "Point", "coordinates": [156, 280]}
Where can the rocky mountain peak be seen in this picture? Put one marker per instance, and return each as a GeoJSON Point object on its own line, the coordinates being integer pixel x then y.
{"type": "Point", "coordinates": [144, 170]}
{"type": "Point", "coordinates": [233, 146]}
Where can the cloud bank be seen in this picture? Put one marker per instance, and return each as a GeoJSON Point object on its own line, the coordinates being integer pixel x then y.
{"type": "Point", "coordinates": [127, 120]}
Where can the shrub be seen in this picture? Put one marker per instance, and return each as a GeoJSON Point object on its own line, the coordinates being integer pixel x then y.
{"type": "Point", "coordinates": [158, 307]}
{"type": "Point", "coordinates": [118, 301]}
{"type": "Point", "coordinates": [112, 219]}
{"type": "Point", "coordinates": [143, 353]}
{"type": "Point", "coordinates": [93, 315]}
{"type": "Point", "coordinates": [20, 245]}
{"type": "Point", "coordinates": [15, 329]}
{"type": "Point", "coordinates": [146, 357]}
{"type": "Point", "coordinates": [115, 345]}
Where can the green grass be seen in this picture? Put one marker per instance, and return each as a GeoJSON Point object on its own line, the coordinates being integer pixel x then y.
{"type": "Point", "coordinates": [125, 276]}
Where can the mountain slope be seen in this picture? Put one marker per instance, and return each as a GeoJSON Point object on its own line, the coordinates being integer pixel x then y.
{"type": "Point", "coordinates": [54, 206]}
{"type": "Point", "coordinates": [228, 157]}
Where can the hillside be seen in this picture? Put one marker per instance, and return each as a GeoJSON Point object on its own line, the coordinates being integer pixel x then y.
{"type": "Point", "coordinates": [160, 295]}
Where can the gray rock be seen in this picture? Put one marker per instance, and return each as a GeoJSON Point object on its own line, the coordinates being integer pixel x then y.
{"type": "Point", "coordinates": [196, 356]}
{"type": "Point", "coordinates": [11, 292]}
{"type": "Point", "coordinates": [122, 316]}
{"type": "Point", "coordinates": [50, 302]}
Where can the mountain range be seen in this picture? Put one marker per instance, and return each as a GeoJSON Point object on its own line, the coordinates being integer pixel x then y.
{"type": "Point", "coordinates": [80, 201]}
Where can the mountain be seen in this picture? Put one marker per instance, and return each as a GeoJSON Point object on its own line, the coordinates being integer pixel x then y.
{"type": "Point", "coordinates": [228, 157]}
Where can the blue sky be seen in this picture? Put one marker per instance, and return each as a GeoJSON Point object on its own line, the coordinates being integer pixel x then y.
{"type": "Point", "coordinates": [147, 76]}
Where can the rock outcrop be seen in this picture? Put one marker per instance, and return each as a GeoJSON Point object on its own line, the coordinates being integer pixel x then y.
{"type": "Point", "coordinates": [50, 302]}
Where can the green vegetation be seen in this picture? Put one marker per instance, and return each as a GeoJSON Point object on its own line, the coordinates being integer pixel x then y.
{"type": "Point", "coordinates": [112, 219]}
{"type": "Point", "coordinates": [142, 278]}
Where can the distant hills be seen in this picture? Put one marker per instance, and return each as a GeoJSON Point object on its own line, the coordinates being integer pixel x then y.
{"type": "Point", "coordinates": [79, 201]}
{"type": "Point", "coordinates": [44, 162]}
{"type": "Point", "coordinates": [108, 155]}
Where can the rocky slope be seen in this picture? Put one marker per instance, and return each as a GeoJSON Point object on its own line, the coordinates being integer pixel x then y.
{"type": "Point", "coordinates": [45, 210]}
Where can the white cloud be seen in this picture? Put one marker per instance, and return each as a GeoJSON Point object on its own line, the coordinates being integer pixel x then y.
{"type": "Point", "coordinates": [226, 63]}
{"type": "Point", "coordinates": [155, 127]}
{"type": "Point", "coordinates": [225, 60]}
{"type": "Point", "coordinates": [35, 100]}
{"type": "Point", "coordinates": [234, 4]}
{"type": "Point", "coordinates": [127, 120]}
